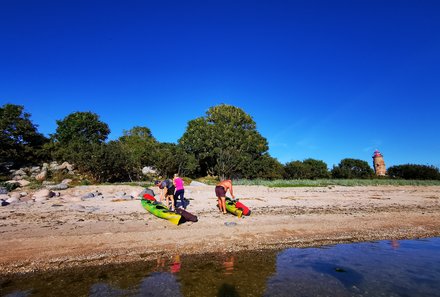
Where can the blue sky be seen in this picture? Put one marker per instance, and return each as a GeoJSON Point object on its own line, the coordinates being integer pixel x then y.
{"type": "Point", "coordinates": [322, 79]}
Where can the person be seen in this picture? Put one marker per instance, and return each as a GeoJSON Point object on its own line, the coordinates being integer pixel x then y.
{"type": "Point", "coordinates": [167, 192]}
{"type": "Point", "coordinates": [220, 191]}
{"type": "Point", "coordinates": [180, 191]}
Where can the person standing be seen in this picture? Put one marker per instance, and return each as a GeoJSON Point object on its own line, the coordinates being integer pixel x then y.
{"type": "Point", "coordinates": [220, 191]}
{"type": "Point", "coordinates": [167, 192]}
{"type": "Point", "coordinates": [180, 191]}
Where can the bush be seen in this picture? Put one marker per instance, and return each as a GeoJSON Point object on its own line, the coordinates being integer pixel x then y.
{"type": "Point", "coordinates": [413, 171]}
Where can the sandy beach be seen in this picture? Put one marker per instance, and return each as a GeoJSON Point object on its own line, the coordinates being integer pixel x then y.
{"type": "Point", "coordinates": [68, 231]}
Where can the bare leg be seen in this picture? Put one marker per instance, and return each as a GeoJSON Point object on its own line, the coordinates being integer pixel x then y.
{"type": "Point", "coordinates": [172, 201]}
{"type": "Point", "coordinates": [223, 205]}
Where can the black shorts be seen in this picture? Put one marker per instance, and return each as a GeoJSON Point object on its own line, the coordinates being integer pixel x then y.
{"type": "Point", "coordinates": [171, 190]}
{"type": "Point", "coordinates": [220, 191]}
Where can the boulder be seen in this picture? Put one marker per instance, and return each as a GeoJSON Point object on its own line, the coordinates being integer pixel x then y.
{"type": "Point", "coordinates": [197, 184]}
{"type": "Point", "coordinates": [15, 196]}
{"type": "Point", "coordinates": [66, 181]}
{"type": "Point", "coordinates": [20, 172]}
{"type": "Point", "coordinates": [24, 183]}
{"type": "Point", "coordinates": [41, 195]}
{"type": "Point", "coordinates": [57, 187]}
{"type": "Point", "coordinates": [41, 176]}
{"type": "Point", "coordinates": [148, 170]}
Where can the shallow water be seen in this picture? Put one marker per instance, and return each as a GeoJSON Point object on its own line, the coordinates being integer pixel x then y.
{"type": "Point", "coordinates": [384, 268]}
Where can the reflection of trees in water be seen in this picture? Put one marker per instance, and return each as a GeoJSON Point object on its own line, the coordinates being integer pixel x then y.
{"type": "Point", "coordinates": [160, 284]}
{"type": "Point", "coordinates": [227, 290]}
{"type": "Point", "coordinates": [238, 274]}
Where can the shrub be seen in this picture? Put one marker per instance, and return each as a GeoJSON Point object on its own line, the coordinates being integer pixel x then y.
{"type": "Point", "coordinates": [413, 171]}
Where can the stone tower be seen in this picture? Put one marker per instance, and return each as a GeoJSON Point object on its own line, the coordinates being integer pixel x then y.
{"type": "Point", "coordinates": [379, 164]}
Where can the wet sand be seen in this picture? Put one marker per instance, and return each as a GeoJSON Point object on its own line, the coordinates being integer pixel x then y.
{"type": "Point", "coordinates": [68, 232]}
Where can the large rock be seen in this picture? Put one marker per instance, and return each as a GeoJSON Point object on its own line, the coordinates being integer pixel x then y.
{"type": "Point", "coordinates": [20, 172]}
{"type": "Point", "coordinates": [41, 176]}
{"type": "Point", "coordinates": [24, 183]}
{"type": "Point", "coordinates": [148, 170]}
{"type": "Point", "coordinates": [41, 195]}
{"type": "Point", "coordinates": [197, 184]}
{"type": "Point", "coordinates": [57, 187]}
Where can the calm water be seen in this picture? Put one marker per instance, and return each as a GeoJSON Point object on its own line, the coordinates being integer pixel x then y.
{"type": "Point", "coordinates": [385, 268]}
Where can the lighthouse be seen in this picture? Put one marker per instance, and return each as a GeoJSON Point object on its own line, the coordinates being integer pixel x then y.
{"type": "Point", "coordinates": [379, 164]}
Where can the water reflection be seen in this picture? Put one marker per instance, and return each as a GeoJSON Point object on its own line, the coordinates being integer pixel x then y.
{"type": "Point", "coordinates": [385, 268]}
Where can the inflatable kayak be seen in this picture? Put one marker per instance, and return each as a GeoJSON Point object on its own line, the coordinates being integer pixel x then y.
{"type": "Point", "coordinates": [237, 208]}
{"type": "Point", "coordinates": [160, 211]}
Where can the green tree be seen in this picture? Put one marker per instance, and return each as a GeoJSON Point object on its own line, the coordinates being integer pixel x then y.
{"type": "Point", "coordinates": [84, 127]}
{"type": "Point", "coordinates": [139, 146]}
{"type": "Point", "coordinates": [223, 141]}
{"type": "Point", "coordinates": [307, 169]}
{"type": "Point", "coordinates": [294, 170]}
{"type": "Point", "coordinates": [20, 142]}
{"type": "Point", "coordinates": [75, 134]}
{"type": "Point", "coordinates": [172, 158]}
{"type": "Point", "coordinates": [103, 162]}
{"type": "Point", "coordinates": [264, 167]}
{"type": "Point", "coordinates": [413, 171]}
{"type": "Point", "coordinates": [352, 168]}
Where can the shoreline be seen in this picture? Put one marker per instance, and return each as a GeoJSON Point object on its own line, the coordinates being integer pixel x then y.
{"type": "Point", "coordinates": [66, 232]}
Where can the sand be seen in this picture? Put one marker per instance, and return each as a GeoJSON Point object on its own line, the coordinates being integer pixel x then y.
{"type": "Point", "coordinates": [66, 231]}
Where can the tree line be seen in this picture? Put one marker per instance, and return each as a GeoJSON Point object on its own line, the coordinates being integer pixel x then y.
{"type": "Point", "coordinates": [223, 143]}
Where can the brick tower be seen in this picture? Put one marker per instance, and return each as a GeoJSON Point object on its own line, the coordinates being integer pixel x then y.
{"type": "Point", "coordinates": [379, 164]}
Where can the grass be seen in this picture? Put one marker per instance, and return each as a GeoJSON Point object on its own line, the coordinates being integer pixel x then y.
{"type": "Point", "coordinates": [336, 182]}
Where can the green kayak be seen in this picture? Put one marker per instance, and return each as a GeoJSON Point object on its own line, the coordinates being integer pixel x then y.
{"type": "Point", "coordinates": [232, 208]}
{"type": "Point", "coordinates": [161, 211]}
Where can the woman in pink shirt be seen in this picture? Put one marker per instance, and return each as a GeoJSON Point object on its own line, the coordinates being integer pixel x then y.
{"type": "Point", "coordinates": [180, 191]}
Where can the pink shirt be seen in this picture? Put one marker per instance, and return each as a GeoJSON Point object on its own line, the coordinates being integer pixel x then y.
{"type": "Point", "coordinates": [178, 182]}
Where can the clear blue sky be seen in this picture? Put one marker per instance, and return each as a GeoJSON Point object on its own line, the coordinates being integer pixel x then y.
{"type": "Point", "coordinates": [322, 79]}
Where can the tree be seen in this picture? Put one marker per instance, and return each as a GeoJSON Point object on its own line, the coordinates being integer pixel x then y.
{"type": "Point", "coordinates": [172, 158]}
{"type": "Point", "coordinates": [76, 133]}
{"type": "Point", "coordinates": [413, 171]}
{"type": "Point", "coordinates": [20, 142]}
{"type": "Point", "coordinates": [84, 127]}
{"type": "Point", "coordinates": [223, 141]}
{"type": "Point", "coordinates": [139, 145]}
{"type": "Point", "coordinates": [307, 169]}
{"type": "Point", "coordinates": [103, 162]}
{"type": "Point", "coordinates": [352, 168]}
{"type": "Point", "coordinates": [264, 167]}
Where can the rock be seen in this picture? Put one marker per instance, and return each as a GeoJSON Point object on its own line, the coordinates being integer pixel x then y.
{"type": "Point", "coordinates": [23, 194]}
{"type": "Point", "coordinates": [3, 190]}
{"type": "Point", "coordinates": [35, 169]}
{"type": "Point", "coordinates": [12, 199]}
{"type": "Point", "coordinates": [24, 183]}
{"type": "Point", "coordinates": [4, 196]}
{"type": "Point", "coordinates": [57, 187]}
{"type": "Point", "coordinates": [46, 183]}
{"type": "Point", "coordinates": [148, 170]}
{"type": "Point", "coordinates": [40, 194]}
{"type": "Point", "coordinates": [16, 196]}
{"type": "Point", "coordinates": [197, 184]}
{"type": "Point", "coordinates": [120, 194]}
{"type": "Point", "coordinates": [66, 181]}
{"type": "Point", "coordinates": [20, 172]}
{"type": "Point", "coordinates": [41, 176]}
{"type": "Point", "coordinates": [87, 196]}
